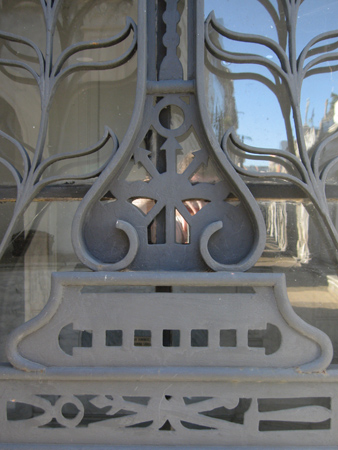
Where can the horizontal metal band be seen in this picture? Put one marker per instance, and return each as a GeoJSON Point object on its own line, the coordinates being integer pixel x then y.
{"type": "Point", "coordinates": [261, 191]}
{"type": "Point", "coordinates": [170, 87]}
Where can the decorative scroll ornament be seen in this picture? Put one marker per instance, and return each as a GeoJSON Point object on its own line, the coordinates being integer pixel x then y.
{"type": "Point", "coordinates": [51, 72]}
{"type": "Point", "coordinates": [169, 181]}
{"type": "Point", "coordinates": [309, 169]}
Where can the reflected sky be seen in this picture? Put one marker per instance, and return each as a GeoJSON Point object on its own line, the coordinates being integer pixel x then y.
{"type": "Point", "coordinates": [260, 119]}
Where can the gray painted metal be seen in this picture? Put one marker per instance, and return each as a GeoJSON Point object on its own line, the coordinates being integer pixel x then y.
{"type": "Point", "coordinates": [168, 396]}
{"type": "Point", "coordinates": [48, 78]}
{"type": "Point", "coordinates": [126, 385]}
{"type": "Point", "coordinates": [310, 170]}
{"type": "Point", "coordinates": [198, 414]}
{"type": "Point", "coordinates": [263, 305]}
{"type": "Point", "coordinates": [215, 239]}
{"type": "Point", "coordinates": [260, 190]}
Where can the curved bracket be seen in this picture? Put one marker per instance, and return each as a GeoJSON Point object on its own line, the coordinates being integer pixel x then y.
{"type": "Point", "coordinates": [324, 342]}
{"type": "Point", "coordinates": [211, 262]}
{"type": "Point", "coordinates": [130, 231]}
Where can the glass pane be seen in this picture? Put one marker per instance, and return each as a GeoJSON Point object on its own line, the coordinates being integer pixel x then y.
{"type": "Point", "coordinates": [296, 245]}
{"type": "Point", "coordinates": [26, 267]}
{"type": "Point", "coordinates": [240, 95]}
{"type": "Point", "coordinates": [247, 89]}
{"type": "Point", "coordinates": [77, 106]}
{"type": "Point", "coordinates": [274, 86]}
{"type": "Point", "coordinates": [41, 244]}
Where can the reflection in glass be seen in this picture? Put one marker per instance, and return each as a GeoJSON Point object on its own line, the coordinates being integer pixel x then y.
{"type": "Point", "coordinates": [308, 261]}
{"type": "Point", "coordinates": [280, 81]}
{"type": "Point", "coordinates": [182, 229]}
{"type": "Point", "coordinates": [263, 112]}
{"type": "Point", "coordinates": [145, 205]}
{"type": "Point", "coordinates": [278, 72]}
{"type": "Point", "coordinates": [240, 96]}
{"type": "Point", "coordinates": [89, 100]}
{"type": "Point", "coordinates": [67, 92]}
{"type": "Point", "coordinates": [85, 102]}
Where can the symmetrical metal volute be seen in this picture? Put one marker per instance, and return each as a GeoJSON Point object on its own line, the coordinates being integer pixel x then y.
{"type": "Point", "coordinates": [171, 188]}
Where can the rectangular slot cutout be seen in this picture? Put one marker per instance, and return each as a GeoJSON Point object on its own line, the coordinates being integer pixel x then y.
{"type": "Point", "coordinates": [199, 338]}
{"type": "Point", "coordinates": [142, 338]}
{"type": "Point", "coordinates": [86, 339]}
{"type": "Point", "coordinates": [113, 338]}
{"type": "Point", "coordinates": [157, 229]}
{"type": "Point", "coordinates": [228, 338]}
{"type": "Point", "coordinates": [171, 338]}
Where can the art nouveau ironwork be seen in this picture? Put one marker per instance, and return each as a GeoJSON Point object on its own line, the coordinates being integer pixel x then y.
{"type": "Point", "coordinates": [166, 353]}
{"type": "Point", "coordinates": [30, 180]}
{"type": "Point", "coordinates": [307, 169]}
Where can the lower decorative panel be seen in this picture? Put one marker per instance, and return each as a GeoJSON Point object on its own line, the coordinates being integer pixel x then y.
{"type": "Point", "coordinates": [149, 407]}
{"type": "Point", "coordinates": [185, 360]}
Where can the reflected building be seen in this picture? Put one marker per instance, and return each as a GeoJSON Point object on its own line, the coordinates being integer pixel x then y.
{"type": "Point", "coordinates": [327, 126]}
{"type": "Point", "coordinates": [219, 89]}
{"type": "Point", "coordinates": [84, 103]}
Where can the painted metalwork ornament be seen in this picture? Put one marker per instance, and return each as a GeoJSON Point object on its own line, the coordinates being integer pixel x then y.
{"type": "Point", "coordinates": [176, 203]}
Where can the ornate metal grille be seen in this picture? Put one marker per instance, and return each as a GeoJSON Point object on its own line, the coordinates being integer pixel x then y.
{"type": "Point", "coordinates": [166, 353]}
